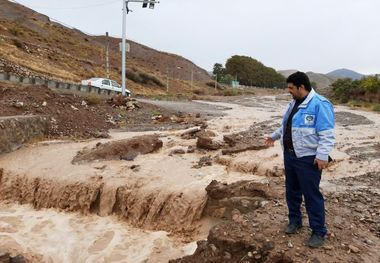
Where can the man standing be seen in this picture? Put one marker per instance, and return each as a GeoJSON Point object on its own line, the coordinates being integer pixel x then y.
{"type": "Point", "coordinates": [307, 138]}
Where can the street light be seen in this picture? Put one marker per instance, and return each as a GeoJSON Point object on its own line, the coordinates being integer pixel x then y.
{"type": "Point", "coordinates": [126, 10]}
{"type": "Point", "coordinates": [167, 75]}
{"type": "Point", "coordinates": [192, 77]}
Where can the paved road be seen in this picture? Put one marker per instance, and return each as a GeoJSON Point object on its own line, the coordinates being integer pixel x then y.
{"type": "Point", "coordinates": [189, 107]}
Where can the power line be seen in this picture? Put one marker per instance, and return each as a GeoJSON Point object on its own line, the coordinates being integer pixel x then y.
{"type": "Point", "coordinates": [69, 8]}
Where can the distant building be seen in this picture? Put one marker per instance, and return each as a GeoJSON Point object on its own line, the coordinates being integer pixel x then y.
{"type": "Point", "coordinates": [235, 84]}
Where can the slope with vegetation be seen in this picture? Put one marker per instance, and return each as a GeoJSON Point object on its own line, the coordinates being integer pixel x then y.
{"type": "Point", "coordinates": [33, 45]}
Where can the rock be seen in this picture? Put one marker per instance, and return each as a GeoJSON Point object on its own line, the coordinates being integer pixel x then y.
{"type": "Point", "coordinates": [213, 248]}
{"type": "Point", "coordinates": [177, 151]}
{"type": "Point", "coordinates": [84, 103]}
{"type": "Point", "coordinates": [190, 149]}
{"type": "Point", "coordinates": [207, 143]}
{"type": "Point", "coordinates": [18, 104]}
{"type": "Point", "coordinates": [135, 168]}
{"type": "Point", "coordinates": [4, 258]}
{"type": "Point", "coordinates": [290, 244]}
{"type": "Point", "coordinates": [204, 161]}
{"type": "Point", "coordinates": [157, 117]}
{"type": "Point", "coordinates": [129, 157]}
{"type": "Point", "coordinates": [227, 255]}
{"type": "Point", "coordinates": [328, 247]}
{"type": "Point", "coordinates": [101, 135]}
{"type": "Point", "coordinates": [126, 149]}
{"type": "Point", "coordinates": [101, 167]}
{"type": "Point", "coordinates": [74, 108]}
{"type": "Point", "coordinates": [368, 242]}
{"type": "Point", "coordinates": [44, 104]}
{"type": "Point", "coordinates": [18, 259]}
{"type": "Point", "coordinates": [190, 133]}
{"type": "Point", "coordinates": [116, 118]}
{"type": "Point", "coordinates": [354, 249]}
{"type": "Point", "coordinates": [130, 105]}
{"type": "Point", "coordinates": [180, 114]}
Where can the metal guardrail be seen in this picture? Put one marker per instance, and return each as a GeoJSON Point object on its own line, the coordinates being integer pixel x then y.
{"type": "Point", "coordinates": [53, 84]}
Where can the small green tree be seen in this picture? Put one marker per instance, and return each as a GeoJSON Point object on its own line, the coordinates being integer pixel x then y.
{"type": "Point", "coordinates": [218, 70]}
{"type": "Point", "coordinates": [226, 79]}
{"type": "Point", "coordinates": [370, 84]}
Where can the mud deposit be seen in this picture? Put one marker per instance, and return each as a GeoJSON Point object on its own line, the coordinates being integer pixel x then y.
{"type": "Point", "coordinates": [154, 197]}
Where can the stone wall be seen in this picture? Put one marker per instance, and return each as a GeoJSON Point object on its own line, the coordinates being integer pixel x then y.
{"type": "Point", "coordinates": [17, 130]}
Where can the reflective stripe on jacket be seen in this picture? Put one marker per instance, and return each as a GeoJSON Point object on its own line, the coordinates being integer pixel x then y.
{"type": "Point", "coordinates": [312, 127]}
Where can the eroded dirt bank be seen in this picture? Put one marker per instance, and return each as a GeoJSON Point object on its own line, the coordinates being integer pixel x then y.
{"type": "Point", "coordinates": [255, 235]}
{"type": "Point", "coordinates": [167, 189]}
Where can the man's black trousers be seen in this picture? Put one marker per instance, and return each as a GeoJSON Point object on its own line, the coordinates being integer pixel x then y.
{"type": "Point", "coordinates": [302, 179]}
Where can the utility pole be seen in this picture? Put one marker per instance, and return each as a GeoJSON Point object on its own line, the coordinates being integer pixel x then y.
{"type": "Point", "coordinates": [107, 57]}
{"type": "Point", "coordinates": [216, 81]}
{"type": "Point", "coordinates": [167, 79]}
{"type": "Point", "coordinates": [126, 10]}
{"type": "Point", "coordinates": [192, 79]}
{"type": "Point", "coordinates": [123, 48]}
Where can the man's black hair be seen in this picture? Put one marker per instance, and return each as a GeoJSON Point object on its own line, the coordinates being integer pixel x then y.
{"type": "Point", "coordinates": [298, 79]}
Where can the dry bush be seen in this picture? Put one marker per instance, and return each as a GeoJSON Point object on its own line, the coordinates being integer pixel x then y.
{"type": "Point", "coordinates": [15, 31]}
{"type": "Point", "coordinates": [150, 79]}
{"type": "Point", "coordinates": [18, 43]}
{"type": "Point", "coordinates": [142, 77]}
{"type": "Point", "coordinates": [199, 92]}
{"type": "Point", "coordinates": [230, 92]}
{"type": "Point", "coordinates": [93, 100]}
{"type": "Point", "coordinates": [134, 76]}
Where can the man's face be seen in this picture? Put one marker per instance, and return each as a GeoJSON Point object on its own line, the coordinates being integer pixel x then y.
{"type": "Point", "coordinates": [294, 91]}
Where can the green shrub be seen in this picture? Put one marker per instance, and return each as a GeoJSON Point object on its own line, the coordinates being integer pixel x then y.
{"type": "Point", "coordinates": [376, 107]}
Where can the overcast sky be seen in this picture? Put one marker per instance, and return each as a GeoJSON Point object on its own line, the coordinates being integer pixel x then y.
{"type": "Point", "coordinates": [308, 35]}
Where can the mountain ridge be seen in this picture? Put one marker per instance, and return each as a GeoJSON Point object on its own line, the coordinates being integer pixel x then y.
{"type": "Point", "coordinates": [345, 73]}
{"type": "Point", "coordinates": [322, 81]}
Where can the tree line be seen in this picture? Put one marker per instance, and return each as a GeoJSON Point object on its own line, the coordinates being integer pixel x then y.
{"type": "Point", "coordinates": [366, 89]}
{"type": "Point", "coordinates": [249, 72]}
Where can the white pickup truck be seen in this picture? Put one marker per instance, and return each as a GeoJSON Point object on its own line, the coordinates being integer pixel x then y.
{"type": "Point", "coordinates": [107, 84]}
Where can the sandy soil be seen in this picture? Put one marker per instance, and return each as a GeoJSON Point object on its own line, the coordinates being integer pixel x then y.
{"type": "Point", "coordinates": [161, 191]}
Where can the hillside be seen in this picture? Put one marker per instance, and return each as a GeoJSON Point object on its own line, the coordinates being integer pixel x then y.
{"type": "Point", "coordinates": [33, 45]}
{"type": "Point", "coordinates": [345, 73]}
{"type": "Point", "coordinates": [322, 81]}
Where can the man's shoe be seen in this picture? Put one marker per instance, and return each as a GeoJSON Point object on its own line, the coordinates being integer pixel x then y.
{"type": "Point", "coordinates": [316, 241]}
{"type": "Point", "coordinates": [292, 228]}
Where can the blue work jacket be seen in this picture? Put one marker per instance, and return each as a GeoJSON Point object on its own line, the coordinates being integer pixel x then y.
{"type": "Point", "coordinates": [312, 127]}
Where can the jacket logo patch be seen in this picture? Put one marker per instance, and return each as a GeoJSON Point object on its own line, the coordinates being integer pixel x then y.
{"type": "Point", "coordinates": [309, 119]}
